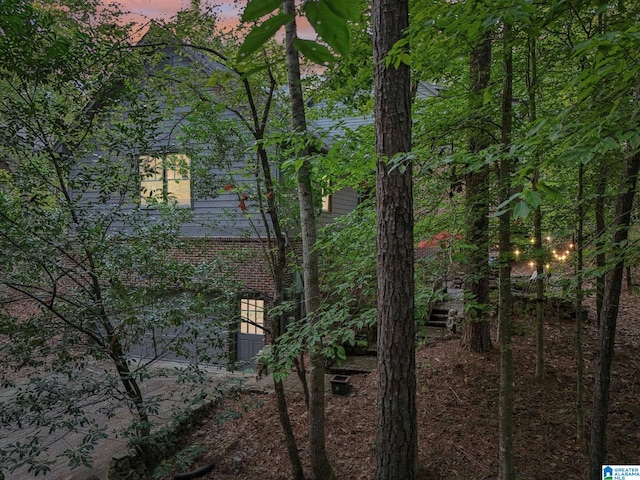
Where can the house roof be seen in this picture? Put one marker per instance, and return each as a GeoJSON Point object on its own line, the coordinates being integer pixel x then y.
{"type": "Point", "coordinates": [342, 120]}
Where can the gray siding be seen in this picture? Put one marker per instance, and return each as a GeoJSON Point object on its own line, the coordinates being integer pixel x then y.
{"type": "Point", "coordinates": [342, 202]}
{"type": "Point", "coordinates": [214, 212]}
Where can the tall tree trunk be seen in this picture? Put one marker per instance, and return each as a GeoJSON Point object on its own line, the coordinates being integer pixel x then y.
{"type": "Point", "coordinates": [539, 282]}
{"type": "Point", "coordinates": [396, 439]}
{"type": "Point", "coordinates": [601, 257]}
{"type": "Point", "coordinates": [579, 296]}
{"type": "Point", "coordinates": [532, 87]}
{"type": "Point", "coordinates": [283, 413]}
{"type": "Point", "coordinates": [476, 333]}
{"type": "Point", "coordinates": [505, 408]}
{"type": "Point", "coordinates": [609, 316]}
{"type": "Point", "coordinates": [320, 465]}
{"type": "Point", "coordinates": [278, 259]}
{"type": "Point", "coordinates": [600, 217]}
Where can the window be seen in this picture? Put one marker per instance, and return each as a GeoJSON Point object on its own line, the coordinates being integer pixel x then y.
{"type": "Point", "coordinates": [326, 198]}
{"type": "Point", "coordinates": [326, 204]}
{"type": "Point", "coordinates": [252, 315]}
{"type": "Point", "coordinates": [165, 179]}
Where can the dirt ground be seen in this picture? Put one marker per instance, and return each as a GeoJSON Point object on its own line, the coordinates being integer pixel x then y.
{"type": "Point", "coordinates": [457, 401]}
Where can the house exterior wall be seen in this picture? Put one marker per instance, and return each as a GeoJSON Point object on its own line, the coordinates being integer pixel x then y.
{"type": "Point", "coordinates": [217, 225]}
{"type": "Point", "coordinates": [244, 258]}
{"type": "Point", "coordinates": [342, 202]}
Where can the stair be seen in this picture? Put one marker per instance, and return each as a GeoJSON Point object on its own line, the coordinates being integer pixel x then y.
{"type": "Point", "coordinates": [438, 317]}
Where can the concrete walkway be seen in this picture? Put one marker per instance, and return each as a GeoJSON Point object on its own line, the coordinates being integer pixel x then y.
{"type": "Point", "coordinates": [161, 386]}
{"type": "Point", "coordinates": [166, 387]}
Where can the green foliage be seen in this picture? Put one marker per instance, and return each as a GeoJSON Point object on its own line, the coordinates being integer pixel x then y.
{"type": "Point", "coordinates": [180, 462]}
{"type": "Point", "coordinates": [314, 51]}
{"type": "Point", "coordinates": [256, 10]}
{"type": "Point", "coordinates": [329, 18]}
{"type": "Point", "coordinates": [330, 23]}
{"type": "Point", "coordinates": [90, 279]}
{"type": "Point", "coordinates": [263, 32]}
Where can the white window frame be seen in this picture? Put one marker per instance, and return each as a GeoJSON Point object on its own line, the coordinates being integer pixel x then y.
{"type": "Point", "coordinates": [165, 179]}
{"type": "Point", "coordinates": [252, 316]}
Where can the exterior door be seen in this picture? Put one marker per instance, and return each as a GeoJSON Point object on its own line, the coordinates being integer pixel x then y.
{"type": "Point", "coordinates": [251, 332]}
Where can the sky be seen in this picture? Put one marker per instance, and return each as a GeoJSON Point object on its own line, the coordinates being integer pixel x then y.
{"type": "Point", "coordinates": [144, 10]}
{"type": "Point", "coordinates": [229, 11]}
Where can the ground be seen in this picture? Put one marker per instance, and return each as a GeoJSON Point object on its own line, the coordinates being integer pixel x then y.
{"type": "Point", "coordinates": [457, 402]}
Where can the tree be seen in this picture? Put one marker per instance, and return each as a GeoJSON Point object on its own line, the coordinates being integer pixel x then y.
{"type": "Point", "coordinates": [610, 305]}
{"type": "Point", "coordinates": [89, 277]}
{"type": "Point", "coordinates": [257, 122]}
{"type": "Point", "coordinates": [476, 335]}
{"type": "Point", "coordinates": [506, 468]}
{"type": "Point", "coordinates": [396, 439]}
{"type": "Point", "coordinates": [320, 464]}
{"type": "Point", "coordinates": [329, 20]}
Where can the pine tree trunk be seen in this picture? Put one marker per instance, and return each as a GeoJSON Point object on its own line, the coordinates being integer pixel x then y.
{"type": "Point", "coordinates": [609, 316]}
{"type": "Point", "coordinates": [320, 465]}
{"type": "Point", "coordinates": [476, 333]}
{"type": "Point", "coordinates": [505, 407]}
{"type": "Point", "coordinates": [396, 439]}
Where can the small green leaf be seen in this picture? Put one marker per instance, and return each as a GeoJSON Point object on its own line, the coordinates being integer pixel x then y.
{"type": "Point", "coordinates": [607, 144]}
{"type": "Point", "coordinates": [521, 210]}
{"type": "Point", "coordinates": [550, 191]}
{"type": "Point", "coordinates": [314, 51]}
{"type": "Point", "coordinates": [333, 29]}
{"type": "Point", "coordinates": [536, 128]}
{"type": "Point", "coordinates": [347, 9]}
{"type": "Point", "coordinates": [259, 8]}
{"type": "Point", "coordinates": [533, 198]}
{"type": "Point", "coordinates": [504, 204]}
{"type": "Point", "coordinates": [259, 35]}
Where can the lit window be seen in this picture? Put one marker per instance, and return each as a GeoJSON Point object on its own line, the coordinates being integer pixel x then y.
{"type": "Point", "coordinates": [252, 315]}
{"type": "Point", "coordinates": [165, 179]}
{"type": "Point", "coordinates": [326, 203]}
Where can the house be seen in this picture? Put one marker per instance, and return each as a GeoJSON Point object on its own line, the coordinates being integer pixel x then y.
{"type": "Point", "coordinates": [177, 140]}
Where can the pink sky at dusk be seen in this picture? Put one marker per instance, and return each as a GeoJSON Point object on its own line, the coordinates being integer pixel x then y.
{"type": "Point", "coordinates": [229, 11]}
{"type": "Point", "coordinates": [144, 10]}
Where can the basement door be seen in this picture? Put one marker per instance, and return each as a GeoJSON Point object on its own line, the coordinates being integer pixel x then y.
{"type": "Point", "coordinates": [251, 335]}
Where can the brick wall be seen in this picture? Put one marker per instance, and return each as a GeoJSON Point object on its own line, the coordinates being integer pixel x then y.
{"type": "Point", "coordinates": [242, 258]}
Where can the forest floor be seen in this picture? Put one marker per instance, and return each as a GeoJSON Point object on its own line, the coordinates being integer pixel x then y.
{"type": "Point", "coordinates": [457, 401]}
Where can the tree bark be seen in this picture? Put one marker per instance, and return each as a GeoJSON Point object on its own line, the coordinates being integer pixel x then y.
{"type": "Point", "coordinates": [278, 261]}
{"type": "Point", "coordinates": [505, 403]}
{"type": "Point", "coordinates": [396, 439]}
{"type": "Point", "coordinates": [532, 86]}
{"type": "Point", "coordinates": [539, 257]}
{"type": "Point", "coordinates": [320, 465]}
{"type": "Point", "coordinates": [476, 333]}
{"type": "Point", "coordinates": [579, 297]}
{"type": "Point", "coordinates": [601, 257]}
{"type": "Point", "coordinates": [609, 316]}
